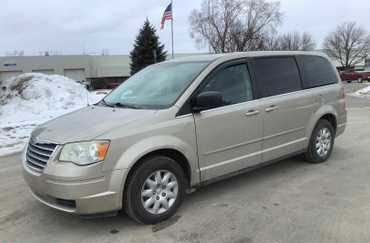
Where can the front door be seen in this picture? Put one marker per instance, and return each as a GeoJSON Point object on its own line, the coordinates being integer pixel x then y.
{"type": "Point", "coordinates": [229, 137]}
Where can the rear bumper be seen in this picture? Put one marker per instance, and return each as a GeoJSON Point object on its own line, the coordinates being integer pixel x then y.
{"type": "Point", "coordinates": [341, 119]}
{"type": "Point", "coordinates": [340, 129]}
{"type": "Point", "coordinates": [81, 196]}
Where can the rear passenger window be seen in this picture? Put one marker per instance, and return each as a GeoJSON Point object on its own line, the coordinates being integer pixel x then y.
{"type": "Point", "coordinates": [276, 75]}
{"type": "Point", "coordinates": [316, 71]}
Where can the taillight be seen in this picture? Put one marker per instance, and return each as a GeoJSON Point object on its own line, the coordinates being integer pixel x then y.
{"type": "Point", "coordinates": [342, 94]}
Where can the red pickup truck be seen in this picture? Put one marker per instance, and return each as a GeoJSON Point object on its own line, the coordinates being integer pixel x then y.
{"type": "Point", "coordinates": [351, 75]}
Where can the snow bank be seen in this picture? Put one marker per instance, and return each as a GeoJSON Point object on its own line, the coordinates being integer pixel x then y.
{"type": "Point", "coordinates": [31, 99]}
{"type": "Point", "coordinates": [364, 91]}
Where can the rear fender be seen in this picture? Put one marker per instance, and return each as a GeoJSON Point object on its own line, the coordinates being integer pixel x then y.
{"type": "Point", "coordinates": [322, 111]}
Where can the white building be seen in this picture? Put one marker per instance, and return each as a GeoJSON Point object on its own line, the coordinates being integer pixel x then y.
{"type": "Point", "coordinates": [98, 71]}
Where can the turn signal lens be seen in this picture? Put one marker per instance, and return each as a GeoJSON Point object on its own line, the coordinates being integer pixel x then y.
{"type": "Point", "coordinates": [101, 149]}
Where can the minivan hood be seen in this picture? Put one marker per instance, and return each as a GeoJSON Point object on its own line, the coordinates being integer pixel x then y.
{"type": "Point", "coordinates": [88, 123]}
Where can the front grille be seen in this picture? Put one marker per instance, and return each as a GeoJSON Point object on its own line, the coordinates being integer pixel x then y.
{"type": "Point", "coordinates": [38, 154]}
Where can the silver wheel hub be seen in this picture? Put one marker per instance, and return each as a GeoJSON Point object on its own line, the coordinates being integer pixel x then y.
{"type": "Point", "coordinates": [159, 192]}
{"type": "Point", "coordinates": [323, 142]}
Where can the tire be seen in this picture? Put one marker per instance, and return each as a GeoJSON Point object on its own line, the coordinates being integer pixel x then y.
{"type": "Point", "coordinates": [313, 154]}
{"type": "Point", "coordinates": [349, 81]}
{"type": "Point", "coordinates": [147, 171]}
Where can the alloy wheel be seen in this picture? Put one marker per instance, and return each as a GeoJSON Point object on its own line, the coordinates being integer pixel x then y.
{"type": "Point", "coordinates": [159, 192]}
{"type": "Point", "coordinates": [323, 142]}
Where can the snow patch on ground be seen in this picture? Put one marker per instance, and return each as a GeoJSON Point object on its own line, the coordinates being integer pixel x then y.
{"type": "Point", "coordinates": [32, 99]}
{"type": "Point", "coordinates": [363, 92]}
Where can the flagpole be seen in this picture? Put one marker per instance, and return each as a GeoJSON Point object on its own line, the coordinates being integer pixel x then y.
{"type": "Point", "coordinates": [173, 52]}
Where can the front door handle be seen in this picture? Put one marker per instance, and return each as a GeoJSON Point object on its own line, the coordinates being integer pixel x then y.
{"type": "Point", "coordinates": [252, 113]}
{"type": "Point", "coordinates": [271, 108]}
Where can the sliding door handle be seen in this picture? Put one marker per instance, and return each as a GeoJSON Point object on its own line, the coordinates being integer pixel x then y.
{"type": "Point", "coordinates": [252, 113]}
{"type": "Point", "coordinates": [271, 108]}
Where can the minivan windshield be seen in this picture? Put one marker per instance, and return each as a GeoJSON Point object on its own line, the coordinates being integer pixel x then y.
{"type": "Point", "coordinates": [155, 87]}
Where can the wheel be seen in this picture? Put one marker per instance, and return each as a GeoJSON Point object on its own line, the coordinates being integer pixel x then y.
{"type": "Point", "coordinates": [321, 142]}
{"type": "Point", "coordinates": [155, 190]}
{"type": "Point", "coordinates": [349, 81]}
{"type": "Point", "coordinates": [360, 80]}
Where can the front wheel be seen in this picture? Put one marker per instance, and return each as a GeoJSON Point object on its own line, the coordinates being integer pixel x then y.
{"type": "Point", "coordinates": [155, 190]}
{"type": "Point", "coordinates": [321, 142]}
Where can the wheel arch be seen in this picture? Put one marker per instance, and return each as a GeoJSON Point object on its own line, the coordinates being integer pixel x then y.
{"type": "Point", "coordinates": [168, 152]}
{"type": "Point", "coordinates": [183, 153]}
{"type": "Point", "coordinates": [332, 119]}
{"type": "Point", "coordinates": [326, 112]}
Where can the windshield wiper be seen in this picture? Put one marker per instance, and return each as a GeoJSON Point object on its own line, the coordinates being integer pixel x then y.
{"type": "Point", "coordinates": [103, 102]}
{"type": "Point", "coordinates": [118, 104]}
{"type": "Point", "coordinates": [124, 105]}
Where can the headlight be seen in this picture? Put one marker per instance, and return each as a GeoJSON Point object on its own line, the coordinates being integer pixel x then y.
{"type": "Point", "coordinates": [84, 153]}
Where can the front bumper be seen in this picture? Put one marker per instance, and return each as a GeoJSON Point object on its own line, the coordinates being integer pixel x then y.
{"type": "Point", "coordinates": [76, 189]}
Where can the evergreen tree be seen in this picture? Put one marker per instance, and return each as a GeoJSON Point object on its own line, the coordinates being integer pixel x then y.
{"type": "Point", "coordinates": [147, 49]}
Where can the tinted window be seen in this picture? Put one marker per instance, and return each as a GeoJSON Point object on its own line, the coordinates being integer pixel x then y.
{"type": "Point", "coordinates": [233, 83]}
{"type": "Point", "coordinates": [276, 75]}
{"type": "Point", "coordinates": [316, 71]}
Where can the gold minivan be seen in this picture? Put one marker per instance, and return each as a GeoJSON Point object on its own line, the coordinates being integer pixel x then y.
{"type": "Point", "coordinates": [181, 124]}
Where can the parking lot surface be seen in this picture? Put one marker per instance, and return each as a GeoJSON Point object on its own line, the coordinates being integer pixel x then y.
{"type": "Point", "coordinates": [289, 201]}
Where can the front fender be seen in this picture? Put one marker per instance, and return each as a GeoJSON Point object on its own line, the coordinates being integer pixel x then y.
{"type": "Point", "coordinates": [138, 150]}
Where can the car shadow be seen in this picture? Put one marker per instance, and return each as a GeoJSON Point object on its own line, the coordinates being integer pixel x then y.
{"type": "Point", "coordinates": [250, 178]}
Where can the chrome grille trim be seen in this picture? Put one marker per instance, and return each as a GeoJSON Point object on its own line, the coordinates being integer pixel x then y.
{"type": "Point", "coordinates": [38, 154]}
{"type": "Point", "coordinates": [33, 156]}
{"type": "Point", "coordinates": [38, 151]}
{"type": "Point", "coordinates": [38, 145]}
{"type": "Point", "coordinates": [36, 164]}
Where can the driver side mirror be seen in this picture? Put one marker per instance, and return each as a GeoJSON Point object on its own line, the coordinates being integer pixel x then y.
{"type": "Point", "coordinates": [207, 100]}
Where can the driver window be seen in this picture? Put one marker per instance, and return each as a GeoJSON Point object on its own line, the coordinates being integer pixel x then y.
{"type": "Point", "coordinates": [233, 83]}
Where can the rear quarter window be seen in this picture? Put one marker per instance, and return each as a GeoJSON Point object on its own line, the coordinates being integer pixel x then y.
{"type": "Point", "coordinates": [316, 71]}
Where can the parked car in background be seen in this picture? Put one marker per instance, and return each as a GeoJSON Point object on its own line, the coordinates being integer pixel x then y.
{"type": "Point", "coordinates": [355, 75]}
{"type": "Point", "coordinates": [181, 124]}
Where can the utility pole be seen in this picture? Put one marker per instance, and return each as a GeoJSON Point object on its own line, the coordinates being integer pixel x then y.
{"type": "Point", "coordinates": [173, 51]}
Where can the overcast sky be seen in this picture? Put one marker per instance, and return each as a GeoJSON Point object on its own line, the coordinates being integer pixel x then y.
{"type": "Point", "coordinates": [74, 27]}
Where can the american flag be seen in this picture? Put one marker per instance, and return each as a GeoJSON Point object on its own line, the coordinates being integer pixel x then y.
{"type": "Point", "coordinates": [167, 15]}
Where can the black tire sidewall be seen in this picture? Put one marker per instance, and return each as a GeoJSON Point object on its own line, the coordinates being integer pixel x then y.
{"type": "Point", "coordinates": [316, 158]}
{"type": "Point", "coordinates": [149, 166]}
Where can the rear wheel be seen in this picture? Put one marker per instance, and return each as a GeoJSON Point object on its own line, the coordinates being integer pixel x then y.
{"type": "Point", "coordinates": [321, 142]}
{"type": "Point", "coordinates": [155, 190]}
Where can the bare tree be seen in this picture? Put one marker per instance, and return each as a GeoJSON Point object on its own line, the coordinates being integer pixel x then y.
{"type": "Point", "coordinates": [293, 41]}
{"type": "Point", "coordinates": [269, 42]}
{"type": "Point", "coordinates": [234, 25]}
{"type": "Point", "coordinates": [349, 44]}
{"type": "Point", "coordinates": [307, 42]}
